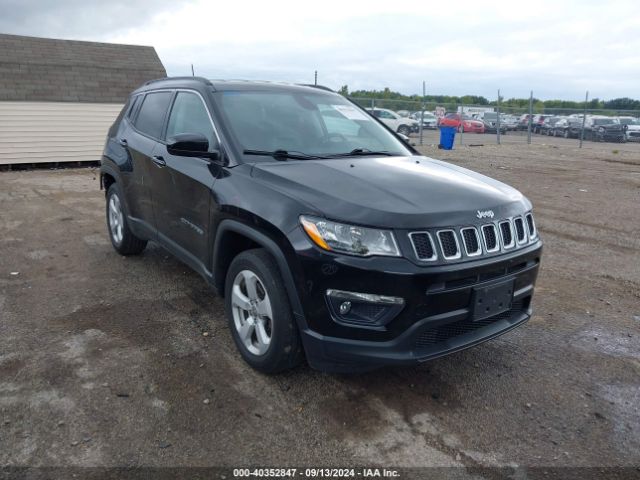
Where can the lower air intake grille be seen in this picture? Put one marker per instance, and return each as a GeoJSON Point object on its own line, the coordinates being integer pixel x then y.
{"type": "Point", "coordinates": [442, 333]}
{"type": "Point", "coordinates": [423, 246]}
{"type": "Point", "coordinates": [520, 233]}
{"type": "Point", "coordinates": [449, 244]}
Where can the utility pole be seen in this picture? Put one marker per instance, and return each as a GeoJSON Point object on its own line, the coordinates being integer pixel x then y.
{"type": "Point", "coordinates": [192, 72]}
{"type": "Point", "coordinates": [584, 117]}
{"type": "Point", "coordinates": [315, 80]}
{"type": "Point", "coordinates": [498, 121]}
{"type": "Point", "coordinates": [424, 99]}
{"type": "Point", "coordinates": [530, 117]}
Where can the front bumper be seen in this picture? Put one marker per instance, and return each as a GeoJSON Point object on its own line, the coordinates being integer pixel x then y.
{"type": "Point", "coordinates": [437, 317]}
{"type": "Point", "coordinates": [610, 135]}
{"type": "Point", "coordinates": [633, 136]}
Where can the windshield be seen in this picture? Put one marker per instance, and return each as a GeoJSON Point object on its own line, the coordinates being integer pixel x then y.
{"type": "Point", "coordinates": [306, 123]}
{"type": "Point", "coordinates": [604, 121]}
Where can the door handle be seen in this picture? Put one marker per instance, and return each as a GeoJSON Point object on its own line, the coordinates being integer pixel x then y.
{"type": "Point", "coordinates": [159, 161]}
{"type": "Point", "coordinates": [123, 142]}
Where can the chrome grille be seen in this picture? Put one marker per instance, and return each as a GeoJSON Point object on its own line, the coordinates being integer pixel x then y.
{"type": "Point", "coordinates": [531, 225]}
{"type": "Point", "coordinates": [506, 232]}
{"type": "Point", "coordinates": [460, 243]}
{"type": "Point", "coordinates": [449, 244]}
{"type": "Point", "coordinates": [471, 241]}
{"type": "Point", "coordinates": [423, 246]}
{"type": "Point", "coordinates": [490, 238]}
{"type": "Point", "coordinates": [521, 235]}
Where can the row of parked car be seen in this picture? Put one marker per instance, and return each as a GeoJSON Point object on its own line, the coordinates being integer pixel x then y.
{"type": "Point", "coordinates": [596, 127]}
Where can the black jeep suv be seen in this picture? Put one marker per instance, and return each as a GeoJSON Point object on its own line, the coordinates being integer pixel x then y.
{"type": "Point", "coordinates": [327, 235]}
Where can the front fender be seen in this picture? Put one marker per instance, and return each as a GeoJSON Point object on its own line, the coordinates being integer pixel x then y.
{"type": "Point", "coordinates": [266, 242]}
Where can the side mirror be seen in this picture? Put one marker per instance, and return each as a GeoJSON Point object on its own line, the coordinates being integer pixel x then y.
{"type": "Point", "coordinates": [191, 145]}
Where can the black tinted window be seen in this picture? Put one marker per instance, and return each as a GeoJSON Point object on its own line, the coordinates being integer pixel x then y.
{"type": "Point", "coordinates": [151, 116]}
{"type": "Point", "coordinates": [189, 115]}
{"type": "Point", "coordinates": [133, 106]}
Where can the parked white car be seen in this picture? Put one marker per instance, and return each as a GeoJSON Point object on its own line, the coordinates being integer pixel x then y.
{"type": "Point", "coordinates": [394, 121]}
{"type": "Point", "coordinates": [429, 121]}
{"type": "Point", "coordinates": [633, 131]}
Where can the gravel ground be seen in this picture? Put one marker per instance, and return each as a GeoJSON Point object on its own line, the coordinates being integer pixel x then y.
{"type": "Point", "coordinates": [104, 360]}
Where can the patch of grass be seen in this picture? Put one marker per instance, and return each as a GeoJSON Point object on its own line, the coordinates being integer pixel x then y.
{"type": "Point", "coordinates": [616, 151]}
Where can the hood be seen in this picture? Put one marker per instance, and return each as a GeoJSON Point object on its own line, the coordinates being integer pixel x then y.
{"type": "Point", "coordinates": [633, 128]}
{"type": "Point", "coordinates": [394, 192]}
{"type": "Point", "coordinates": [609, 126]}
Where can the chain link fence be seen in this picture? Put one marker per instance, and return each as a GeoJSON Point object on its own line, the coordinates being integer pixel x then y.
{"type": "Point", "coordinates": [496, 124]}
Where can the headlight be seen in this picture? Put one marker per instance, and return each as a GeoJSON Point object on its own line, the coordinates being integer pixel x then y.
{"type": "Point", "coordinates": [338, 237]}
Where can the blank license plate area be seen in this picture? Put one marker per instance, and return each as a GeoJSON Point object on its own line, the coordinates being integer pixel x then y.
{"type": "Point", "coordinates": [492, 300]}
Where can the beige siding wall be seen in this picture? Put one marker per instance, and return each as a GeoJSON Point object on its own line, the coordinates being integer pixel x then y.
{"type": "Point", "coordinates": [37, 132]}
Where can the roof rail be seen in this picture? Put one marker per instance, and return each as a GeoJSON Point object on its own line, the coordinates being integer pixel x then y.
{"type": "Point", "coordinates": [197, 79]}
{"type": "Point", "coordinates": [321, 87]}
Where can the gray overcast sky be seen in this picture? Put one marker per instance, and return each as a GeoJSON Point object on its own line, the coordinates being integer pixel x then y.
{"type": "Point", "coordinates": [557, 48]}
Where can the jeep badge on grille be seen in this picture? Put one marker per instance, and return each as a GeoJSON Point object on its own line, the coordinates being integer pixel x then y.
{"type": "Point", "coordinates": [485, 214]}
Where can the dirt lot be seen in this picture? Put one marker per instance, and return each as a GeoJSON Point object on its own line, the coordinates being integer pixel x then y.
{"type": "Point", "coordinates": [103, 361]}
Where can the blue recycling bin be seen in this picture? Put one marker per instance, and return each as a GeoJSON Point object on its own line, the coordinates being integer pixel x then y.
{"type": "Point", "coordinates": [447, 137]}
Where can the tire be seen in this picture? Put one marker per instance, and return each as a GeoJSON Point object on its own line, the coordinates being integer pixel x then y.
{"type": "Point", "coordinates": [404, 130]}
{"type": "Point", "coordinates": [257, 309]}
{"type": "Point", "coordinates": [122, 238]}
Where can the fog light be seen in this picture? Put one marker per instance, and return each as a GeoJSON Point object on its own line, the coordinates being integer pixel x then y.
{"type": "Point", "coordinates": [365, 310]}
{"type": "Point", "coordinates": [345, 307]}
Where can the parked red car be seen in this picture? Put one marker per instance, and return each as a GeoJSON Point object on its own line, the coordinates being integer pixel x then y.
{"type": "Point", "coordinates": [463, 123]}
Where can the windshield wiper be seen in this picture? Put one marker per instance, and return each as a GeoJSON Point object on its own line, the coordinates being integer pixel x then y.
{"type": "Point", "coordinates": [361, 152]}
{"type": "Point", "coordinates": [282, 155]}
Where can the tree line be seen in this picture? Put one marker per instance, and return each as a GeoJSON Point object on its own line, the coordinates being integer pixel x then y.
{"type": "Point", "coordinates": [397, 98]}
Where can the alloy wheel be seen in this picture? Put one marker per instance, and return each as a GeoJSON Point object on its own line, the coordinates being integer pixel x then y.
{"type": "Point", "coordinates": [116, 219]}
{"type": "Point", "coordinates": [252, 312]}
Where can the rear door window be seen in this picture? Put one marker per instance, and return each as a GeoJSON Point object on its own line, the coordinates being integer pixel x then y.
{"type": "Point", "coordinates": [133, 107]}
{"type": "Point", "coordinates": [150, 120]}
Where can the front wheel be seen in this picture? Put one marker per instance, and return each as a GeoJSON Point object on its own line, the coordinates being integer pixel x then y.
{"type": "Point", "coordinates": [259, 314]}
{"type": "Point", "coordinates": [404, 130]}
{"type": "Point", "coordinates": [122, 238]}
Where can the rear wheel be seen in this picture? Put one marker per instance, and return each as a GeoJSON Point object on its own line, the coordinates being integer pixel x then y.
{"type": "Point", "coordinates": [122, 238]}
{"type": "Point", "coordinates": [259, 314]}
